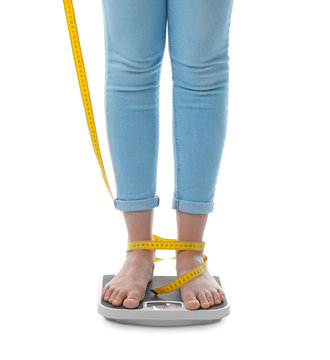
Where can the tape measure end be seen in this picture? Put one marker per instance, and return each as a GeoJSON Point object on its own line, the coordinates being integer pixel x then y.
{"type": "Point", "coordinates": [154, 292]}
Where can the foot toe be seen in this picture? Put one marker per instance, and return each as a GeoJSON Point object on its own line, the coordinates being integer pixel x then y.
{"type": "Point", "coordinates": [113, 295]}
{"type": "Point", "coordinates": [203, 300]}
{"type": "Point", "coordinates": [221, 293]}
{"type": "Point", "coordinates": [190, 302]}
{"type": "Point", "coordinates": [105, 289]}
{"type": "Point", "coordinates": [108, 293]}
{"type": "Point", "coordinates": [216, 297]}
{"type": "Point", "coordinates": [209, 298]}
{"type": "Point", "coordinates": [132, 301]}
{"type": "Point", "coordinates": [117, 301]}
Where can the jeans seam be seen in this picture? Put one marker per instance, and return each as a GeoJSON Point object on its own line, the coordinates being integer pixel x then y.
{"type": "Point", "coordinates": [157, 126]}
{"type": "Point", "coordinates": [176, 144]}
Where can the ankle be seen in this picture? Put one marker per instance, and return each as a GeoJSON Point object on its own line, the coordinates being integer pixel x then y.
{"type": "Point", "coordinates": [189, 255]}
{"type": "Point", "coordinates": [141, 255]}
{"type": "Point", "coordinates": [188, 259]}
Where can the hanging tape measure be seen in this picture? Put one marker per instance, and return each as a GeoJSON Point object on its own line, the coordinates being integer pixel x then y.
{"type": "Point", "coordinates": [158, 242]}
{"type": "Point", "coordinates": [82, 78]}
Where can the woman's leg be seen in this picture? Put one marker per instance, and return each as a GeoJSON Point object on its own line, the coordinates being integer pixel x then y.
{"type": "Point", "coordinates": [135, 33]}
{"type": "Point", "coordinates": [198, 44]}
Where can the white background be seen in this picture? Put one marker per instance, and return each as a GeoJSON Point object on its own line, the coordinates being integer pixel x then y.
{"type": "Point", "coordinates": [269, 233]}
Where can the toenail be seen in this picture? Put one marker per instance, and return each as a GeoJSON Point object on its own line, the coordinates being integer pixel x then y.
{"type": "Point", "coordinates": [132, 299]}
{"type": "Point", "coordinates": [193, 300]}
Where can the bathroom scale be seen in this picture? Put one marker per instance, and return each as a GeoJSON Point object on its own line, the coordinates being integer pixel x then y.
{"type": "Point", "coordinates": [161, 309]}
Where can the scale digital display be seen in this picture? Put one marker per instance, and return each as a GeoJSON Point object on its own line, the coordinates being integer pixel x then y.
{"type": "Point", "coordinates": [164, 305]}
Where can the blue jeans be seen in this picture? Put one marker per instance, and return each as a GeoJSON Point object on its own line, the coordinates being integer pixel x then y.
{"type": "Point", "coordinates": [135, 37]}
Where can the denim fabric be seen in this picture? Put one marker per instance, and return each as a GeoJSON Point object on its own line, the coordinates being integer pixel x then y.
{"type": "Point", "coordinates": [135, 38]}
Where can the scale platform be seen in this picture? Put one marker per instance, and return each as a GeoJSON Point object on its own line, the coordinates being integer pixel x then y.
{"type": "Point", "coordinates": [161, 309]}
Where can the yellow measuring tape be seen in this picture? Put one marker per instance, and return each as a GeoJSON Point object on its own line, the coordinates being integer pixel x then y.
{"type": "Point", "coordinates": [167, 244]}
{"type": "Point", "coordinates": [82, 78]}
{"type": "Point", "coordinates": [157, 242]}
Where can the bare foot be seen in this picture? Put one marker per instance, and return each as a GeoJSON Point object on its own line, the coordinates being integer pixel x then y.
{"type": "Point", "coordinates": [203, 291]}
{"type": "Point", "coordinates": [129, 285]}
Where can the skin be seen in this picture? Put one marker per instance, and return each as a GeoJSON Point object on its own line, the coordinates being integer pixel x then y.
{"type": "Point", "coordinates": [128, 287]}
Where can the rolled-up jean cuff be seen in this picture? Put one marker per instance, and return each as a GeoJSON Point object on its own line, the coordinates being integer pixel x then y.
{"type": "Point", "coordinates": [193, 207]}
{"type": "Point", "coordinates": [136, 205]}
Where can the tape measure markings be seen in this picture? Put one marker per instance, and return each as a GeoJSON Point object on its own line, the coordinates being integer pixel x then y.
{"type": "Point", "coordinates": [83, 84]}
{"type": "Point", "coordinates": [177, 245]}
{"type": "Point", "coordinates": [167, 244]}
{"type": "Point", "coordinates": [183, 279]}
